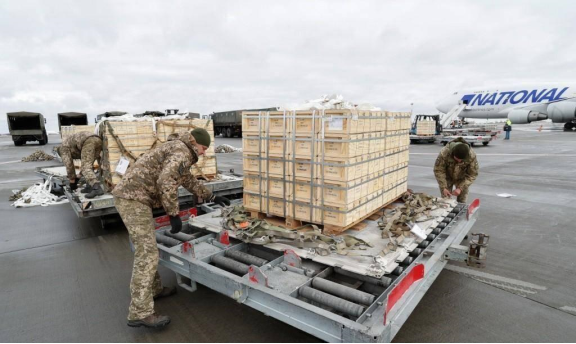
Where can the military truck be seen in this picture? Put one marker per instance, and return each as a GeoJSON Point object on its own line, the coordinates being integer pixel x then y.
{"type": "Point", "coordinates": [71, 118]}
{"type": "Point", "coordinates": [27, 126]}
{"type": "Point", "coordinates": [229, 123]}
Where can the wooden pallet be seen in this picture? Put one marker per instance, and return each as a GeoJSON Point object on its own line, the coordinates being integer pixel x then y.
{"type": "Point", "coordinates": [291, 223]}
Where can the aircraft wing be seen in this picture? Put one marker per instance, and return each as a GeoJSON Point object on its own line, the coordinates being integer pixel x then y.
{"type": "Point", "coordinates": [539, 107]}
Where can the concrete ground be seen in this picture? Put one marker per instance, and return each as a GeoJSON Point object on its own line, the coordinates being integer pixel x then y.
{"type": "Point", "coordinates": [64, 279]}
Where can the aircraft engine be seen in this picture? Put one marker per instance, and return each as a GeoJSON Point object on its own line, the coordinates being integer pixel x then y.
{"type": "Point", "coordinates": [562, 112]}
{"type": "Point", "coordinates": [521, 116]}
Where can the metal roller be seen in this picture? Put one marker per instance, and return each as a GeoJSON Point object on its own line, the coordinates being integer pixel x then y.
{"type": "Point", "coordinates": [416, 252]}
{"type": "Point", "coordinates": [179, 236]}
{"type": "Point", "coordinates": [424, 244]}
{"type": "Point", "coordinates": [245, 257]}
{"type": "Point", "coordinates": [398, 271]}
{"type": "Point", "coordinates": [408, 260]}
{"type": "Point", "coordinates": [382, 281]}
{"type": "Point", "coordinates": [436, 231]}
{"type": "Point", "coordinates": [441, 225]}
{"type": "Point", "coordinates": [166, 241]}
{"type": "Point", "coordinates": [431, 237]}
{"type": "Point", "coordinates": [337, 303]}
{"type": "Point", "coordinates": [342, 291]}
{"type": "Point", "coordinates": [230, 264]}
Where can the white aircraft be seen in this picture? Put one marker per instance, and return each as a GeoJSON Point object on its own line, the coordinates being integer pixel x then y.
{"type": "Point", "coordinates": [519, 104]}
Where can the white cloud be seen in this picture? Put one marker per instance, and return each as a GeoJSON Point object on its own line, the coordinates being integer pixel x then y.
{"type": "Point", "coordinates": [209, 56]}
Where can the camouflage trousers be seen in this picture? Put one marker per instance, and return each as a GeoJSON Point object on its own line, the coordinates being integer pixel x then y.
{"type": "Point", "coordinates": [145, 281]}
{"type": "Point", "coordinates": [90, 152]}
{"type": "Point", "coordinates": [463, 194]}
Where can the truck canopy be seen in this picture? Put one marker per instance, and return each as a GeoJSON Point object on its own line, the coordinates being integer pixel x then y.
{"type": "Point", "coordinates": [24, 120]}
{"type": "Point", "coordinates": [151, 113]}
{"type": "Point", "coordinates": [72, 118]}
{"type": "Point", "coordinates": [110, 114]}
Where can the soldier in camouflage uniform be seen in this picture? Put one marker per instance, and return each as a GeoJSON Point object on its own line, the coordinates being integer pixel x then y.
{"type": "Point", "coordinates": [87, 147]}
{"type": "Point", "coordinates": [456, 166]}
{"type": "Point", "coordinates": [153, 182]}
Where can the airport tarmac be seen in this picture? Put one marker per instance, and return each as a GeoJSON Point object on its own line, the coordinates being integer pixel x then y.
{"type": "Point", "coordinates": [63, 279]}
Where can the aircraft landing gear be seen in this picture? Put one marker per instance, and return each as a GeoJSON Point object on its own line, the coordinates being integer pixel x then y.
{"type": "Point", "coordinates": [570, 126]}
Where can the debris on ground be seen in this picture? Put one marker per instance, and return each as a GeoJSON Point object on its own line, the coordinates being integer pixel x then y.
{"type": "Point", "coordinates": [38, 155]}
{"type": "Point", "coordinates": [227, 149]}
{"type": "Point", "coordinates": [38, 194]}
{"type": "Point", "coordinates": [16, 194]}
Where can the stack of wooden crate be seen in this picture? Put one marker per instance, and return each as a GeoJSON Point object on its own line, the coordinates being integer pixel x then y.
{"type": "Point", "coordinates": [425, 128]}
{"type": "Point", "coordinates": [331, 167]}
{"type": "Point", "coordinates": [67, 131]}
{"type": "Point", "coordinates": [131, 139]}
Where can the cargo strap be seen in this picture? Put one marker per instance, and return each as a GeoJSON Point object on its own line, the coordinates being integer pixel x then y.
{"type": "Point", "coordinates": [416, 208]}
{"type": "Point", "coordinates": [261, 232]}
{"type": "Point", "coordinates": [119, 142]}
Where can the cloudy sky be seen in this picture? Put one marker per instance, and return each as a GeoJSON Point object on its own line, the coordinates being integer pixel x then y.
{"type": "Point", "coordinates": [205, 56]}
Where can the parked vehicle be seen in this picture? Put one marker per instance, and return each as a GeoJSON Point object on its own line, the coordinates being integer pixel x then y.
{"type": "Point", "coordinates": [27, 126]}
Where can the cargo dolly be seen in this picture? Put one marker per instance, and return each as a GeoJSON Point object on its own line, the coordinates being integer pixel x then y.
{"type": "Point", "coordinates": [102, 206]}
{"type": "Point", "coordinates": [322, 296]}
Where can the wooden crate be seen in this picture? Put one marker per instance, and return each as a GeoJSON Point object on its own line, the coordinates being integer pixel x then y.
{"type": "Point", "coordinates": [426, 128]}
{"type": "Point", "coordinates": [206, 167]}
{"type": "Point", "coordinates": [167, 127]}
{"type": "Point", "coordinates": [252, 123]}
{"type": "Point", "coordinates": [353, 146]}
{"type": "Point", "coordinates": [344, 169]}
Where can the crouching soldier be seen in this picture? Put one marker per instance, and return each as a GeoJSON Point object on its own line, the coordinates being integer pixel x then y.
{"type": "Point", "coordinates": [87, 147]}
{"type": "Point", "coordinates": [456, 169]}
{"type": "Point", "coordinates": [153, 182]}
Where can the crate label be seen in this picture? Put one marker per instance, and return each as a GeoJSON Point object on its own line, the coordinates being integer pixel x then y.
{"type": "Point", "coordinates": [336, 123]}
{"type": "Point", "coordinates": [122, 166]}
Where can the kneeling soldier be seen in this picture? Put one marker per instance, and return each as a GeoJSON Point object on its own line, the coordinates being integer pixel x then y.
{"type": "Point", "coordinates": [456, 166]}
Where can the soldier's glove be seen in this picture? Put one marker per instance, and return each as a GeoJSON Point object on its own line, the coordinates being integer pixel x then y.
{"type": "Point", "coordinates": [73, 186]}
{"type": "Point", "coordinates": [176, 224]}
{"type": "Point", "coordinates": [222, 201]}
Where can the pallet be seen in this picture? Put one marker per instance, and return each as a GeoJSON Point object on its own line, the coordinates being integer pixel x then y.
{"type": "Point", "coordinates": [287, 222]}
{"type": "Point", "coordinates": [291, 223]}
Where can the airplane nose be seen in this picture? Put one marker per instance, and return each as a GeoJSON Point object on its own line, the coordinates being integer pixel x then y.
{"type": "Point", "coordinates": [443, 106]}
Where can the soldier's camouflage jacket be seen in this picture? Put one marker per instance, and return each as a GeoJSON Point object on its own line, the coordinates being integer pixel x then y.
{"type": "Point", "coordinates": [154, 178]}
{"type": "Point", "coordinates": [71, 149]}
{"type": "Point", "coordinates": [448, 172]}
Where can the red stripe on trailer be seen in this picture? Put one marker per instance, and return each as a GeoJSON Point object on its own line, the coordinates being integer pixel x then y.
{"type": "Point", "coordinates": [416, 274]}
{"type": "Point", "coordinates": [472, 208]}
{"type": "Point", "coordinates": [163, 221]}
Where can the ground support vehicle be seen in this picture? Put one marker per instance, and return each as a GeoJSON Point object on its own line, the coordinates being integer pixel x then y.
{"type": "Point", "coordinates": [430, 137]}
{"type": "Point", "coordinates": [229, 123]}
{"type": "Point", "coordinates": [472, 134]}
{"type": "Point", "coordinates": [71, 118]}
{"type": "Point", "coordinates": [27, 126]}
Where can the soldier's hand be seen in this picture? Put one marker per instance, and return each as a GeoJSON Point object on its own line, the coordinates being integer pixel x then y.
{"type": "Point", "coordinates": [176, 224]}
{"type": "Point", "coordinates": [73, 184]}
{"type": "Point", "coordinates": [222, 201]}
{"type": "Point", "coordinates": [446, 193]}
{"type": "Point", "coordinates": [456, 192]}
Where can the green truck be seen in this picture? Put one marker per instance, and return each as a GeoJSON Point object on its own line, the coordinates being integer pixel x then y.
{"type": "Point", "coordinates": [27, 126]}
{"type": "Point", "coordinates": [229, 123]}
{"type": "Point", "coordinates": [72, 118]}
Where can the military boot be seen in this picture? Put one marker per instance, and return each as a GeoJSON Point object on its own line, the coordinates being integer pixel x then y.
{"type": "Point", "coordinates": [151, 321]}
{"type": "Point", "coordinates": [166, 291]}
{"type": "Point", "coordinates": [96, 191]}
{"type": "Point", "coordinates": [86, 189]}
